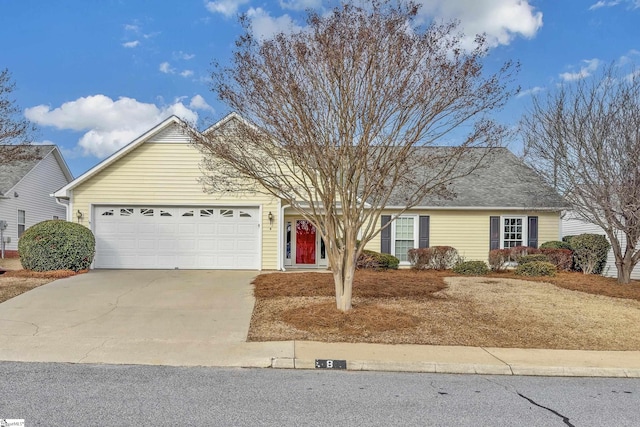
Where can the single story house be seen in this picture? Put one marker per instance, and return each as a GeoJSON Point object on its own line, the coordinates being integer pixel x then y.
{"type": "Point", "coordinates": [25, 192]}
{"type": "Point", "coordinates": [573, 225]}
{"type": "Point", "coordinates": [147, 209]}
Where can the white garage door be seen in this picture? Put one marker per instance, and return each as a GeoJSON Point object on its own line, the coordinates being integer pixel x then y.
{"type": "Point", "coordinates": [177, 237]}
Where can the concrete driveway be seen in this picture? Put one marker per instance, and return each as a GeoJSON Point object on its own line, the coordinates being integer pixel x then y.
{"type": "Point", "coordinates": [168, 317]}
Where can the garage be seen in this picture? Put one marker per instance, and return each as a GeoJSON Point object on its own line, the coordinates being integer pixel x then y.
{"type": "Point", "coordinates": [168, 237]}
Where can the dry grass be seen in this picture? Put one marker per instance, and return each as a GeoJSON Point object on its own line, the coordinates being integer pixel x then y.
{"type": "Point", "coordinates": [496, 311]}
{"type": "Point", "coordinates": [15, 281]}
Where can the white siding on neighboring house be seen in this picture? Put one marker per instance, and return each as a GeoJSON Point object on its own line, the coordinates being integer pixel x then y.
{"type": "Point", "coordinates": [33, 192]}
{"type": "Point", "coordinates": [572, 226]}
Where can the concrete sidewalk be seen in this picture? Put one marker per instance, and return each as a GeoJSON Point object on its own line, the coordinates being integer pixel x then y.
{"type": "Point", "coordinates": [465, 360]}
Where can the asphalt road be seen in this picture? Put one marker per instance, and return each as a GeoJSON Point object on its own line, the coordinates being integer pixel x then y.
{"type": "Point", "coordinates": [46, 394]}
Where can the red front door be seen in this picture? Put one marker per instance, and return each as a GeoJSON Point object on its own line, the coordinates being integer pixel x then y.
{"type": "Point", "coordinates": [305, 242]}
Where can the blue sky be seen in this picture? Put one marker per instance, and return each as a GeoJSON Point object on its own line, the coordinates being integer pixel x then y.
{"type": "Point", "coordinates": [94, 75]}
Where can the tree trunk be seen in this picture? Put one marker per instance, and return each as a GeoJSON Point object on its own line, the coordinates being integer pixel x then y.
{"type": "Point", "coordinates": [343, 273]}
{"type": "Point", "coordinates": [625, 267]}
{"type": "Point", "coordinates": [343, 280]}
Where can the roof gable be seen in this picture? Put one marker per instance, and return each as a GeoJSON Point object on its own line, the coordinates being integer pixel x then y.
{"type": "Point", "coordinates": [11, 174]}
{"type": "Point", "coordinates": [160, 133]}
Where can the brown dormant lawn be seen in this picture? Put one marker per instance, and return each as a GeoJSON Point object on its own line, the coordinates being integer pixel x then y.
{"type": "Point", "coordinates": [16, 281]}
{"type": "Point", "coordinates": [569, 311]}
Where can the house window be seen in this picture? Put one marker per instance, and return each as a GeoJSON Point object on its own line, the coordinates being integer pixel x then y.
{"type": "Point", "coordinates": [22, 217]}
{"type": "Point", "coordinates": [513, 231]}
{"type": "Point", "coordinates": [404, 237]}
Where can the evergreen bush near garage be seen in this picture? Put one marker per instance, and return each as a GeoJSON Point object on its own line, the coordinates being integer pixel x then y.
{"type": "Point", "coordinates": [471, 268]}
{"type": "Point", "coordinates": [377, 261]}
{"type": "Point", "coordinates": [590, 252]}
{"type": "Point", "coordinates": [56, 245]}
{"type": "Point", "coordinates": [536, 268]}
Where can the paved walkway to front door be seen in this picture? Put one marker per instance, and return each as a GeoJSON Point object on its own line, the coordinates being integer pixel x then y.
{"type": "Point", "coordinates": [168, 317]}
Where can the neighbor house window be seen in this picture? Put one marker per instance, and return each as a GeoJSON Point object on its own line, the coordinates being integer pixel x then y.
{"type": "Point", "coordinates": [404, 237]}
{"type": "Point", "coordinates": [513, 231]}
{"type": "Point", "coordinates": [22, 216]}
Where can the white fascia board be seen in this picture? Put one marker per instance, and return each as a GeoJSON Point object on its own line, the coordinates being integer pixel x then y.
{"type": "Point", "coordinates": [226, 119]}
{"type": "Point", "coordinates": [64, 192]}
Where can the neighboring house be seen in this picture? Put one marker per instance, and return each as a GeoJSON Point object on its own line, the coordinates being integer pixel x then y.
{"type": "Point", "coordinates": [25, 192]}
{"type": "Point", "coordinates": [147, 209]}
{"type": "Point", "coordinates": [572, 225]}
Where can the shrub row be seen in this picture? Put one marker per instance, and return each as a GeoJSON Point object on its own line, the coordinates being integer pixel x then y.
{"type": "Point", "coordinates": [436, 258]}
{"type": "Point", "coordinates": [377, 261]}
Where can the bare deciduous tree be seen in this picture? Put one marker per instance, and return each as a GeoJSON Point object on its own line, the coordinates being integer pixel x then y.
{"type": "Point", "coordinates": [340, 116]}
{"type": "Point", "coordinates": [585, 140]}
{"type": "Point", "coordinates": [14, 129]}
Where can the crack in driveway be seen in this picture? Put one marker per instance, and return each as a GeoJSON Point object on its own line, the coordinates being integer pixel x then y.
{"type": "Point", "coordinates": [93, 349]}
{"type": "Point", "coordinates": [27, 323]}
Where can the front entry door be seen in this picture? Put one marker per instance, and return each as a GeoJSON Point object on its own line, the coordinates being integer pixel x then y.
{"type": "Point", "coordinates": [305, 242]}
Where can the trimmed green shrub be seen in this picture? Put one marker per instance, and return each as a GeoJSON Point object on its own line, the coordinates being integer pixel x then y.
{"type": "Point", "coordinates": [567, 239]}
{"type": "Point", "coordinates": [471, 268]}
{"type": "Point", "coordinates": [561, 258]}
{"type": "Point", "coordinates": [56, 245]}
{"type": "Point", "coordinates": [499, 259]}
{"type": "Point", "coordinates": [536, 268]}
{"type": "Point", "coordinates": [437, 258]}
{"type": "Point", "coordinates": [555, 244]}
{"type": "Point", "coordinates": [590, 252]}
{"type": "Point", "coordinates": [377, 261]}
{"type": "Point", "coordinates": [524, 259]}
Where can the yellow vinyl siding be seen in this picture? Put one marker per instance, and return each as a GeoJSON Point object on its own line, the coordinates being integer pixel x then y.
{"type": "Point", "coordinates": [468, 230]}
{"type": "Point", "coordinates": [167, 174]}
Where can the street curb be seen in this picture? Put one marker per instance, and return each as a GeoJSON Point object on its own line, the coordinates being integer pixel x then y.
{"type": "Point", "coordinates": [464, 368]}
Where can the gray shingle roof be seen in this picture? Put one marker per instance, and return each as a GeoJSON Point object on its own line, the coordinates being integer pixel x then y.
{"type": "Point", "coordinates": [12, 173]}
{"type": "Point", "coordinates": [503, 181]}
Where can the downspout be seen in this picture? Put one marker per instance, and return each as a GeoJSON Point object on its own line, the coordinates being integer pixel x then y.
{"type": "Point", "coordinates": [66, 206]}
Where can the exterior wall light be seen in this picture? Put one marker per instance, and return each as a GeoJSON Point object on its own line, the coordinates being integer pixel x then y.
{"type": "Point", "coordinates": [270, 216]}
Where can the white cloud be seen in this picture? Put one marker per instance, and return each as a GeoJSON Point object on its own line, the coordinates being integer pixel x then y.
{"type": "Point", "coordinates": [228, 8]}
{"type": "Point", "coordinates": [186, 73]}
{"type": "Point", "coordinates": [300, 4]}
{"type": "Point", "coordinates": [264, 26]}
{"type": "Point", "coordinates": [500, 20]}
{"type": "Point", "coordinates": [530, 92]}
{"type": "Point", "coordinates": [601, 3]}
{"type": "Point", "coordinates": [131, 44]}
{"type": "Point", "coordinates": [199, 103]}
{"type": "Point", "coordinates": [631, 4]}
{"type": "Point", "coordinates": [165, 67]}
{"type": "Point", "coordinates": [585, 71]}
{"type": "Point", "coordinates": [183, 55]}
{"type": "Point", "coordinates": [132, 27]}
{"type": "Point", "coordinates": [628, 58]}
{"type": "Point", "coordinates": [108, 124]}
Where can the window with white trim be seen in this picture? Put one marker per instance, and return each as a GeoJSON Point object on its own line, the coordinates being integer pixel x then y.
{"type": "Point", "coordinates": [514, 231]}
{"type": "Point", "coordinates": [404, 236]}
{"type": "Point", "coordinates": [22, 219]}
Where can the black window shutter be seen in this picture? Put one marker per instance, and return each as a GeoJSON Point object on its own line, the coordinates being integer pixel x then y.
{"type": "Point", "coordinates": [532, 231]}
{"type": "Point", "coordinates": [494, 232]}
{"type": "Point", "coordinates": [423, 232]}
{"type": "Point", "coordinates": [385, 235]}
